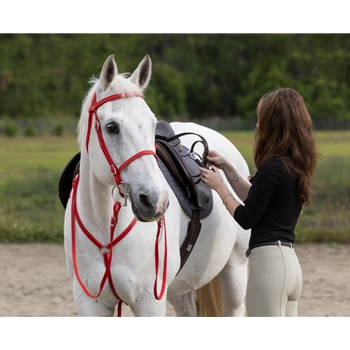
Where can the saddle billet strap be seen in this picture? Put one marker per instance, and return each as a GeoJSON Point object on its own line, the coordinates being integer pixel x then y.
{"type": "Point", "coordinates": [194, 227]}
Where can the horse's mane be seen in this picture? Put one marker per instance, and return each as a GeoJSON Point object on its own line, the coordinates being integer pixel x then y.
{"type": "Point", "coordinates": [120, 84]}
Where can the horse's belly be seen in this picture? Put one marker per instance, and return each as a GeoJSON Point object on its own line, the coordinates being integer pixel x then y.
{"type": "Point", "coordinates": [209, 256]}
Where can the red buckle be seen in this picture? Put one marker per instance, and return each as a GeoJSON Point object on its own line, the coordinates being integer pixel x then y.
{"type": "Point", "coordinates": [113, 169]}
{"type": "Point", "coordinates": [113, 221]}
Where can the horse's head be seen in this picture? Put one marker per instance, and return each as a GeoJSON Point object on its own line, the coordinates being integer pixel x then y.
{"type": "Point", "coordinates": [117, 134]}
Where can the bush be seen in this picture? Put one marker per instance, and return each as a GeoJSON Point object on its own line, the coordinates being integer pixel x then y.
{"type": "Point", "coordinates": [59, 130]}
{"type": "Point", "coordinates": [30, 131]}
{"type": "Point", "coordinates": [11, 129]}
{"type": "Point", "coordinates": [166, 97]}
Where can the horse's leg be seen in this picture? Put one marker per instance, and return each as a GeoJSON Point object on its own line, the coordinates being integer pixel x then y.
{"type": "Point", "coordinates": [184, 305]}
{"type": "Point", "coordinates": [234, 277]}
{"type": "Point", "coordinates": [150, 308]}
{"type": "Point", "coordinates": [147, 306]}
{"type": "Point", "coordinates": [87, 306]}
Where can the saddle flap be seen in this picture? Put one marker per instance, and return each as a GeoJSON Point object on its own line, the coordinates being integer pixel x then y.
{"type": "Point", "coordinates": [66, 179]}
{"type": "Point", "coordinates": [186, 171]}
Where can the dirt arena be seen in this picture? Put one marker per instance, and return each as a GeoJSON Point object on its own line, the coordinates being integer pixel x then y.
{"type": "Point", "coordinates": [34, 281]}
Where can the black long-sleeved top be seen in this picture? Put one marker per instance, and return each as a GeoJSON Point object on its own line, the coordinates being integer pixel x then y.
{"type": "Point", "coordinates": [271, 209]}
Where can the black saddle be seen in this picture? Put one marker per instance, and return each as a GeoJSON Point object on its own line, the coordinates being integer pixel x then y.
{"type": "Point", "coordinates": [180, 166]}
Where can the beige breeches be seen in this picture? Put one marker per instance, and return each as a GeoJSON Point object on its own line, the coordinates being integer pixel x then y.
{"type": "Point", "coordinates": [274, 283]}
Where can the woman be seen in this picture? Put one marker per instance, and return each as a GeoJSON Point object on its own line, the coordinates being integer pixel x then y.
{"type": "Point", "coordinates": [285, 158]}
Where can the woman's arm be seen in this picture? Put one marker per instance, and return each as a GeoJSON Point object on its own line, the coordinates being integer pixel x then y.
{"type": "Point", "coordinates": [214, 181]}
{"type": "Point", "coordinates": [239, 185]}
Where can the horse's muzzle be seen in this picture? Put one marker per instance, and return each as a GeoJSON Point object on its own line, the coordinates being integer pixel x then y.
{"type": "Point", "coordinates": [147, 209]}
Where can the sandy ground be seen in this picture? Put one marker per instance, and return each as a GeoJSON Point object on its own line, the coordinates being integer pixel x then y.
{"type": "Point", "coordinates": [34, 281]}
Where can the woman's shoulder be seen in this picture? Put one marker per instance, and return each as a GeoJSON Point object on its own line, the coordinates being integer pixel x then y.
{"type": "Point", "coordinates": [274, 165]}
{"type": "Point", "coordinates": [274, 162]}
{"type": "Point", "coordinates": [278, 165]}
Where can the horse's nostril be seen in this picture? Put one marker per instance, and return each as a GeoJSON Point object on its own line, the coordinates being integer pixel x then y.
{"type": "Point", "coordinates": [145, 201]}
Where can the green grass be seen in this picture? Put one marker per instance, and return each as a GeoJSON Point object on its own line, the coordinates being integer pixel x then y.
{"type": "Point", "coordinates": [30, 167]}
{"type": "Point", "coordinates": [29, 172]}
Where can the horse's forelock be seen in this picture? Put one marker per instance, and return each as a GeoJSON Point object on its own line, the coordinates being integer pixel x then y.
{"type": "Point", "coordinates": [120, 84]}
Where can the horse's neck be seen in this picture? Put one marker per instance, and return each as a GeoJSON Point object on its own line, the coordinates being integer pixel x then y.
{"type": "Point", "coordinates": [95, 204]}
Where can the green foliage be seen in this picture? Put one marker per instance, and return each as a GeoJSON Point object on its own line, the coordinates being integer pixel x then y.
{"type": "Point", "coordinates": [167, 95]}
{"type": "Point", "coordinates": [59, 130]}
{"type": "Point", "coordinates": [194, 75]}
{"type": "Point", "coordinates": [11, 129]}
{"type": "Point", "coordinates": [30, 131]}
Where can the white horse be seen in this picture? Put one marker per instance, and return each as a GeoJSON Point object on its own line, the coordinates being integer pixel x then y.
{"type": "Point", "coordinates": [123, 224]}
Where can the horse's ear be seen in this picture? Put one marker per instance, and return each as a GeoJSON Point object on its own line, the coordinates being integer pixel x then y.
{"type": "Point", "coordinates": [108, 73]}
{"type": "Point", "coordinates": [142, 74]}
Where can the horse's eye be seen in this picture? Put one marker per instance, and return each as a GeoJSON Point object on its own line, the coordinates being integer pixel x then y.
{"type": "Point", "coordinates": [112, 128]}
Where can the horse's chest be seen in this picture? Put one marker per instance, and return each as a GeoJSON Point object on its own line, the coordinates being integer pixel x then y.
{"type": "Point", "coordinates": [112, 283]}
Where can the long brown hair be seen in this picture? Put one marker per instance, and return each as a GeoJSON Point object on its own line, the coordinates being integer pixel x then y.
{"type": "Point", "coordinates": [285, 130]}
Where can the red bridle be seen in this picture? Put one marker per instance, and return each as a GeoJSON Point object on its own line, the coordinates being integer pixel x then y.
{"type": "Point", "coordinates": [107, 250]}
{"type": "Point", "coordinates": [93, 112]}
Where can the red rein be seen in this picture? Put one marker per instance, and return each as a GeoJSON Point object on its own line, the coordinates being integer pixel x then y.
{"type": "Point", "coordinates": [107, 250]}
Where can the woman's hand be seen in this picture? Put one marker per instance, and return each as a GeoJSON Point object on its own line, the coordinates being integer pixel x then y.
{"type": "Point", "coordinates": [214, 181]}
{"type": "Point", "coordinates": [214, 158]}
{"type": "Point", "coordinates": [212, 178]}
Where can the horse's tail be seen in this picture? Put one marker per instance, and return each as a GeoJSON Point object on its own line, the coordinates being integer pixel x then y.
{"type": "Point", "coordinates": [209, 299]}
